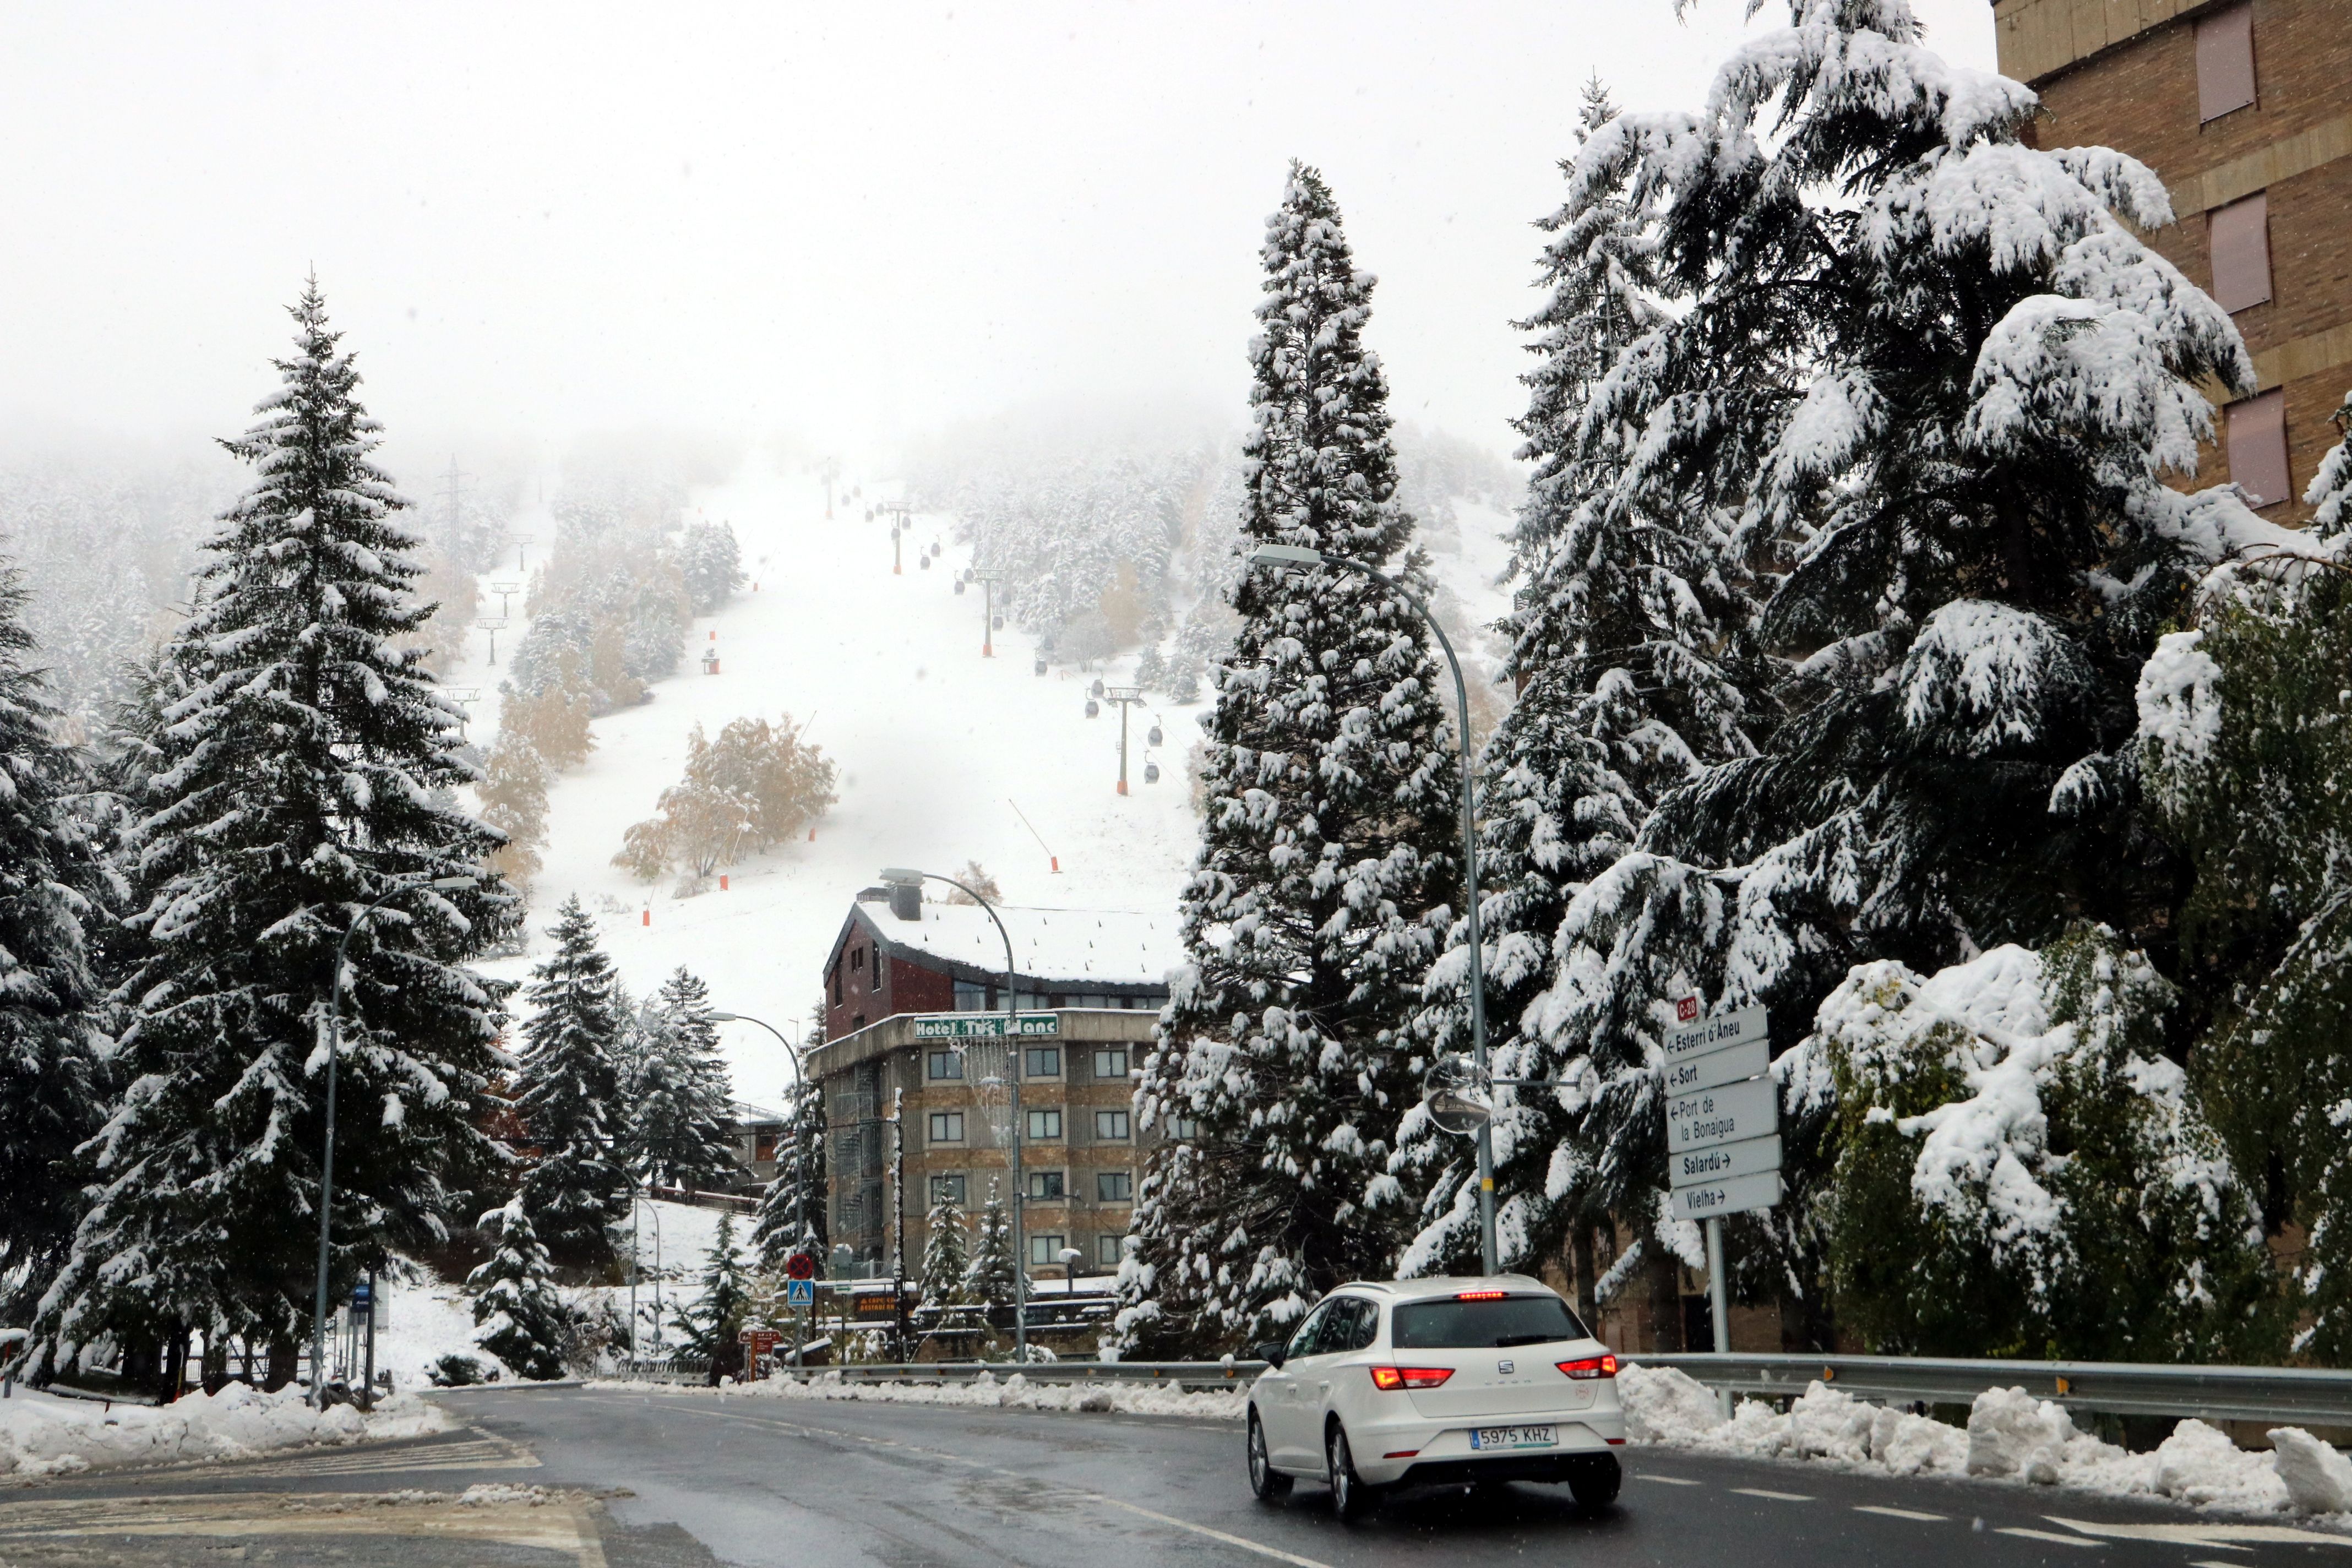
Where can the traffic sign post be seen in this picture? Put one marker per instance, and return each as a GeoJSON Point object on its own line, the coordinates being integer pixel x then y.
{"type": "Point", "coordinates": [757, 1343]}
{"type": "Point", "coordinates": [1723, 1131]}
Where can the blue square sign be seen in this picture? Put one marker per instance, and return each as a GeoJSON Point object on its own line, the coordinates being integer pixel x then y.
{"type": "Point", "coordinates": [799, 1292]}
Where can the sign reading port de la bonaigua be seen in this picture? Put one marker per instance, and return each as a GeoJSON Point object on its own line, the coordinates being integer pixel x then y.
{"type": "Point", "coordinates": [983, 1025]}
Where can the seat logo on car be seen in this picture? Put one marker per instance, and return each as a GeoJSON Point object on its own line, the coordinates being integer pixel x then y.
{"type": "Point", "coordinates": [1506, 1366]}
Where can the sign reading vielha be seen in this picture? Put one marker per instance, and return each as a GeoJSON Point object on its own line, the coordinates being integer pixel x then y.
{"type": "Point", "coordinates": [1723, 1114]}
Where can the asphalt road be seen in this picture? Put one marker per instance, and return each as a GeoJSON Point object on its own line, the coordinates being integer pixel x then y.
{"type": "Point", "coordinates": [635, 1481]}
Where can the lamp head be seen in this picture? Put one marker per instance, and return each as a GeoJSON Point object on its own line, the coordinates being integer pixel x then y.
{"type": "Point", "coordinates": [450, 884]}
{"type": "Point", "coordinates": [900, 874]}
{"type": "Point", "coordinates": [1285, 555]}
{"type": "Point", "coordinates": [726, 1018]}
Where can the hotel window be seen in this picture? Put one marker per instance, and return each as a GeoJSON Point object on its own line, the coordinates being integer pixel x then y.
{"type": "Point", "coordinates": [1111, 1064]}
{"type": "Point", "coordinates": [857, 958]}
{"type": "Point", "coordinates": [1184, 1128]}
{"type": "Point", "coordinates": [2239, 236]}
{"type": "Point", "coordinates": [2257, 428]}
{"type": "Point", "coordinates": [1041, 1061]}
{"type": "Point", "coordinates": [1114, 1187]}
{"type": "Point", "coordinates": [948, 1189]}
{"type": "Point", "coordinates": [947, 1126]}
{"type": "Point", "coordinates": [1112, 1126]}
{"type": "Point", "coordinates": [1044, 1124]}
{"type": "Point", "coordinates": [1106, 1250]}
{"type": "Point", "coordinates": [764, 1146]}
{"type": "Point", "coordinates": [2225, 62]}
{"type": "Point", "coordinates": [836, 985]}
{"type": "Point", "coordinates": [1045, 1252]}
{"type": "Point", "coordinates": [948, 1065]}
{"type": "Point", "coordinates": [1047, 1186]}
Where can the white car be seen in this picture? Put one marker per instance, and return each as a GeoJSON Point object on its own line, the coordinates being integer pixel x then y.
{"type": "Point", "coordinates": [1421, 1382]}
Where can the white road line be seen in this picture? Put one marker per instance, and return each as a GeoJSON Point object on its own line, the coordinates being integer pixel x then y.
{"type": "Point", "coordinates": [1901, 1513]}
{"type": "Point", "coordinates": [2221, 1535]}
{"type": "Point", "coordinates": [1776, 1497]}
{"type": "Point", "coordinates": [2047, 1535]}
{"type": "Point", "coordinates": [1203, 1530]}
{"type": "Point", "coordinates": [1667, 1480]}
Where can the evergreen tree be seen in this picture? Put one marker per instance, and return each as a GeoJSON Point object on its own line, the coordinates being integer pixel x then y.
{"type": "Point", "coordinates": [711, 1324]}
{"type": "Point", "coordinates": [306, 774]}
{"type": "Point", "coordinates": [989, 1274]}
{"type": "Point", "coordinates": [52, 1043]}
{"type": "Point", "coordinates": [1624, 626]}
{"type": "Point", "coordinates": [947, 1255]}
{"type": "Point", "coordinates": [1331, 805]}
{"type": "Point", "coordinates": [791, 1208]}
{"type": "Point", "coordinates": [713, 563]}
{"type": "Point", "coordinates": [518, 1316]}
{"type": "Point", "coordinates": [679, 1100]}
{"type": "Point", "coordinates": [567, 1092]}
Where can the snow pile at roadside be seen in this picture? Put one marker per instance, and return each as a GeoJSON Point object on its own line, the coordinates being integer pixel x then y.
{"type": "Point", "coordinates": [2010, 1435]}
{"type": "Point", "coordinates": [41, 1435]}
{"type": "Point", "coordinates": [1013, 1393]}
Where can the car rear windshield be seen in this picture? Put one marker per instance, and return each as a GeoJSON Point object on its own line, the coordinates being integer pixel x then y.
{"type": "Point", "coordinates": [1511, 1321]}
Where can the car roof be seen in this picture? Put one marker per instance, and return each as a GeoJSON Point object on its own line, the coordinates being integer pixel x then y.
{"type": "Point", "coordinates": [1447, 1285]}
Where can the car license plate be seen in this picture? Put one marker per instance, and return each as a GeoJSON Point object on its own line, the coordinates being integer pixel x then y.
{"type": "Point", "coordinates": [1484, 1438]}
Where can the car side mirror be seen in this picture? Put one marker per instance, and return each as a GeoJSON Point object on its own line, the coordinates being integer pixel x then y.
{"type": "Point", "coordinates": [1273, 1354]}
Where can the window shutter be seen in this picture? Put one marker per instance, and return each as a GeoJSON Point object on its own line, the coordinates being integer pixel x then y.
{"type": "Point", "coordinates": [2258, 447]}
{"type": "Point", "coordinates": [2241, 240]}
{"type": "Point", "coordinates": [2225, 62]}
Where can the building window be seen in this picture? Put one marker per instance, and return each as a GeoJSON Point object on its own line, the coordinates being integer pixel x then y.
{"type": "Point", "coordinates": [946, 1064]}
{"type": "Point", "coordinates": [1045, 1252]}
{"type": "Point", "coordinates": [764, 1146]}
{"type": "Point", "coordinates": [836, 985]}
{"type": "Point", "coordinates": [1111, 1063]}
{"type": "Point", "coordinates": [857, 958]}
{"type": "Point", "coordinates": [947, 1126]}
{"type": "Point", "coordinates": [970, 998]}
{"type": "Point", "coordinates": [1046, 1186]}
{"type": "Point", "coordinates": [2258, 448]}
{"type": "Point", "coordinates": [2239, 236]}
{"type": "Point", "coordinates": [948, 1189]}
{"type": "Point", "coordinates": [1184, 1128]}
{"type": "Point", "coordinates": [1106, 1250]}
{"type": "Point", "coordinates": [1111, 1126]}
{"type": "Point", "coordinates": [1114, 1187]}
{"type": "Point", "coordinates": [1041, 1061]}
{"type": "Point", "coordinates": [1044, 1124]}
{"type": "Point", "coordinates": [2225, 62]}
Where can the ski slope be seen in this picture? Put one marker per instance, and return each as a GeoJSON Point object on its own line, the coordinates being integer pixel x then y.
{"type": "Point", "coordinates": [934, 744]}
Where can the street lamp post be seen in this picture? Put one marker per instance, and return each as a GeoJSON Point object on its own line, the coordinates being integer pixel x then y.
{"type": "Point", "coordinates": [905, 876]}
{"type": "Point", "coordinates": [327, 1157]}
{"type": "Point", "coordinates": [1279, 555]}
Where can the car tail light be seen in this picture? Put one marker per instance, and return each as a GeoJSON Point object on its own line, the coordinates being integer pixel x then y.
{"type": "Point", "coordinates": [1480, 1295]}
{"type": "Point", "coordinates": [1590, 1366]}
{"type": "Point", "coordinates": [1391, 1378]}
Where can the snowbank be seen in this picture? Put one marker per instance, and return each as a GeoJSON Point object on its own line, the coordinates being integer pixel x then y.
{"type": "Point", "coordinates": [1013, 1393]}
{"type": "Point", "coordinates": [41, 1435]}
{"type": "Point", "coordinates": [2011, 1435]}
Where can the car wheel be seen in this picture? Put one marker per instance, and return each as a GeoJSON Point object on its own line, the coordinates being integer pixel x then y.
{"type": "Point", "coordinates": [1270, 1484]}
{"type": "Point", "coordinates": [1351, 1497]}
{"type": "Point", "coordinates": [1594, 1484]}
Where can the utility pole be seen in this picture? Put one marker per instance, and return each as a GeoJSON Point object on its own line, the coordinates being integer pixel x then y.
{"type": "Point", "coordinates": [505, 591]}
{"type": "Point", "coordinates": [988, 580]}
{"type": "Point", "coordinates": [523, 542]}
{"type": "Point", "coordinates": [492, 624]}
{"type": "Point", "coordinates": [1128, 697]}
{"type": "Point", "coordinates": [452, 496]}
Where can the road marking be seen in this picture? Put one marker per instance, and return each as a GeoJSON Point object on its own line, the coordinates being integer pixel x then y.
{"type": "Point", "coordinates": [564, 1525]}
{"type": "Point", "coordinates": [1027, 1477]}
{"type": "Point", "coordinates": [1776, 1497]}
{"type": "Point", "coordinates": [2221, 1535]}
{"type": "Point", "coordinates": [1667, 1480]}
{"type": "Point", "coordinates": [2047, 1535]}
{"type": "Point", "coordinates": [1901, 1513]}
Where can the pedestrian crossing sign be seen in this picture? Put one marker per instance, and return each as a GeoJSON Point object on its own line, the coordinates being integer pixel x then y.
{"type": "Point", "coordinates": [799, 1292]}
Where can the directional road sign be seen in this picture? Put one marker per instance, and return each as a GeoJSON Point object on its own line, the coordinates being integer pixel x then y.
{"type": "Point", "coordinates": [982, 1025]}
{"type": "Point", "coordinates": [799, 1292]}
{"type": "Point", "coordinates": [1721, 1161]}
{"type": "Point", "coordinates": [1726, 1115]}
{"type": "Point", "coordinates": [1714, 1199]}
{"type": "Point", "coordinates": [1703, 1036]}
{"type": "Point", "coordinates": [1748, 1059]}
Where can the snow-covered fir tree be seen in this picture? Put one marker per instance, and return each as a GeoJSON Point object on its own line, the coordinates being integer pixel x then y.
{"type": "Point", "coordinates": [947, 1255]}
{"type": "Point", "coordinates": [792, 1207]}
{"type": "Point", "coordinates": [306, 775]}
{"type": "Point", "coordinates": [1279, 1071]}
{"type": "Point", "coordinates": [567, 1092]}
{"type": "Point", "coordinates": [713, 564]}
{"type": "Point", "coordinates": [1937, 381]}
{"type": "Point", "coordinates": [1623, 624]}
{"type": "Point", "coordinates": [679, 1099]}
{"type": "Point", "coordinates": [711, 1322]}
{"type": "Point", "coordinates": [989, 1275]}
{"type": "Point", "coordinates": [517, 1315]}
{"type": "Point", "coordinates": [53, 1047]}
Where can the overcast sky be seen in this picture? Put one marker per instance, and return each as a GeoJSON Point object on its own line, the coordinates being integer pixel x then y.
{"type": "Point", "coordinates": [847, 222]}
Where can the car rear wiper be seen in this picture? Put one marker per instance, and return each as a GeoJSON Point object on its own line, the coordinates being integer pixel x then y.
{"type": "Point", "coordinates": [1506, 1340]}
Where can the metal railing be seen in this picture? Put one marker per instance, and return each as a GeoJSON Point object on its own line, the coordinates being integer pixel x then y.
{"type": "Point", "coordinates": [2278, 1394]}
{"type": "Point", "coordinates": [1191, 1375]}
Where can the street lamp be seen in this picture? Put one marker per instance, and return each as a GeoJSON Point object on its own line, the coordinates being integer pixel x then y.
{"type": "Point", "coordinates": [903, 875]}
{"type": "Point", "coordinates": [1294, 555]}
{"type": "Point", "coordinates": [327, 1160]}
{"type": "Point", "coordinates": [791, 1054]}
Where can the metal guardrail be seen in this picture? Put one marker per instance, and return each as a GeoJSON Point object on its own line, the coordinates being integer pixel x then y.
{"type": "Point", "coordinates": [2277, 1394]}
{"type": "Point", "coordinates": [1189, 1375]}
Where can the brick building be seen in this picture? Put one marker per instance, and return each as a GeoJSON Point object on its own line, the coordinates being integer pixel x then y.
{"type": "Point", "coordinates": [898, 974]}
{"type": "Point", "coordinates": [2241, 107]}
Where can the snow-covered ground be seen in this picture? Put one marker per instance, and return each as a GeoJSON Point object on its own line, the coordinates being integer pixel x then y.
{"type": "Point", "coordinates": [43, 1435]}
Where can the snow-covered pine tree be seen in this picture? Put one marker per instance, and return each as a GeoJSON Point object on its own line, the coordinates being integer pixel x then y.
{"type": "Point", "coordinates": [1939, 382]}
{"type": "Point", "coordinates": [712, 562]}
{"type": "Point", "coordinates": [988, 1277]}
{"type": "Point", "coordinates": [52, 1042]}
{"type": "Point", "coordinates": [679, 1100]}
{"type": "Point", "coordinates": [567, 1092]}
{"type": "Point", "coordinates": [1622, 626]}
{"type": "Point", "coordinates": [791, 1209]}
{"type": "Point", "coordinates": [518, 1316]}
{"type": "Point", "coordinates": [947, 1255]}
{"type": "Point", "coordinates": [712, 1321]}
{"type": "Point", "coordinates": [1331, 783]}
{"type": "Point", "coordinates": [307, 772]}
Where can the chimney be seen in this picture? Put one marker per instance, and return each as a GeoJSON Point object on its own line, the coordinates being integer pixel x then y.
{"type": "Point", "coordinates": [906, 900]}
